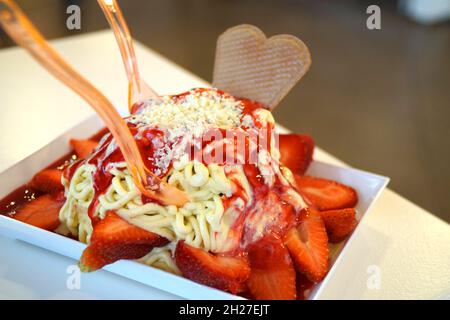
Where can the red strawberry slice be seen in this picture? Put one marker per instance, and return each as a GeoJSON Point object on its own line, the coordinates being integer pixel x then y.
{"type": "Point", "coordinates": [99, 135]}
{"type": "Point", "coordinates": [94, 258]}
{"type": "Point", "coordinates": [42, 212]}
{"type": "Point", "coordinates": [218, 271]}
{"type": "Point", "coordinates": [83, 148]}
{"type": "Point", "coordinates": [339, 223]}
{"type": "Point", "coordinates": [114, 239]}
{"type": "Point", "coordinates": [304, 286]}
{"type": "Point", "coordinates": [308, 245]}
{"type": "Point", "coordinates": [272, 273]}
{"type": "Point", "coordinates": [48, 181]}
{"type": "Point", "coordinates": [324, 194]}
{"type": "Point", "coordinates": [296, 151]}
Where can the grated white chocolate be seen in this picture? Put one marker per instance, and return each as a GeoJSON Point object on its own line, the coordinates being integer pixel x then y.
{"type": "Point", "coordinates": [195, 111]}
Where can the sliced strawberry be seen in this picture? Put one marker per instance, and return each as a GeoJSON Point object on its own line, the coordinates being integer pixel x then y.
{"type": "Point", "coordinates": [42, 212]}
{"type": "Point", "coordinates": [94, 258]}
{"type": "Point", "coordinates": [339, 223]}
{"type": "Point", "coordinates": [272, 273]}
{"type": "Point", "coordinates": [296, 151]}
{"type": "Point", "coordinates": [221, 272]}
{"type": "Point", "coordinates": [324, 194]}
{"type": "Point", "coordinates": [99, 135]}
{"type": "Point", "coordinates": [83, 148]}
{"type": "Point", "coordinates": [308, 245]}
{"type": "Point", "coordinates": [304, 286]}
{"type": "Point", "coordinates": [48, 181]}
{"type": "Point", "coordinates": [113, 239]}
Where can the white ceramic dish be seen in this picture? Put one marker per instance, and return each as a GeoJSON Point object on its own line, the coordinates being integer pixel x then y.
{"type": "Point", "coordinates": [368, 185]}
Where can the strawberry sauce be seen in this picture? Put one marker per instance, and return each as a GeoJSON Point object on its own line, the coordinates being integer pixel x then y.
{"type": "Point", "coordinates": [269, 213]}
{"type": "Point", "coordinates": [16, 199]}
{"type": "Point", "coordinates": [25, 194]}
{"type": "Point", "coordinates": [151, 139]}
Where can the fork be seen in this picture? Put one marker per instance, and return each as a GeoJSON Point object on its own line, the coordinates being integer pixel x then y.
{"type": "Point", "coordinates": [25, 34]}
{"type": "Point", "coordinates": [138, 90]}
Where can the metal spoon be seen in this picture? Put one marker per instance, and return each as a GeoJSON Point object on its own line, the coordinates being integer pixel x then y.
{"type": "Point", "coordinates": [25, 34]}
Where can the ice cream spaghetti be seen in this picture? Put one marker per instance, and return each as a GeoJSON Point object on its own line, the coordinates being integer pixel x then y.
{"type": "Point", "coordinates": [198, 184]}
{"type": "Point", "coordinates": [206, 221]}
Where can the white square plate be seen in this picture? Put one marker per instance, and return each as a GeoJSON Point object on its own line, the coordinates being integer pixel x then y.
{"type": "Point", "coordinates": [368, 186]}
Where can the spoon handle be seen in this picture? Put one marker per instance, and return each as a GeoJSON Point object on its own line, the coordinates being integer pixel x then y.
{"type": "Point", "coordinates": [24, 33]}
{"type": "Point", "coordinates": [137, 88]}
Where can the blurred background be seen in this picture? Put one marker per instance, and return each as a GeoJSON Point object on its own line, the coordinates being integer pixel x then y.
{"type": "Point", "coordinates": [377, 99]}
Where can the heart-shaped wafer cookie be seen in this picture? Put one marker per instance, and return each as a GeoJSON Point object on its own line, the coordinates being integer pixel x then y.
{"type": "Point", "coordinates": [248, 65]}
